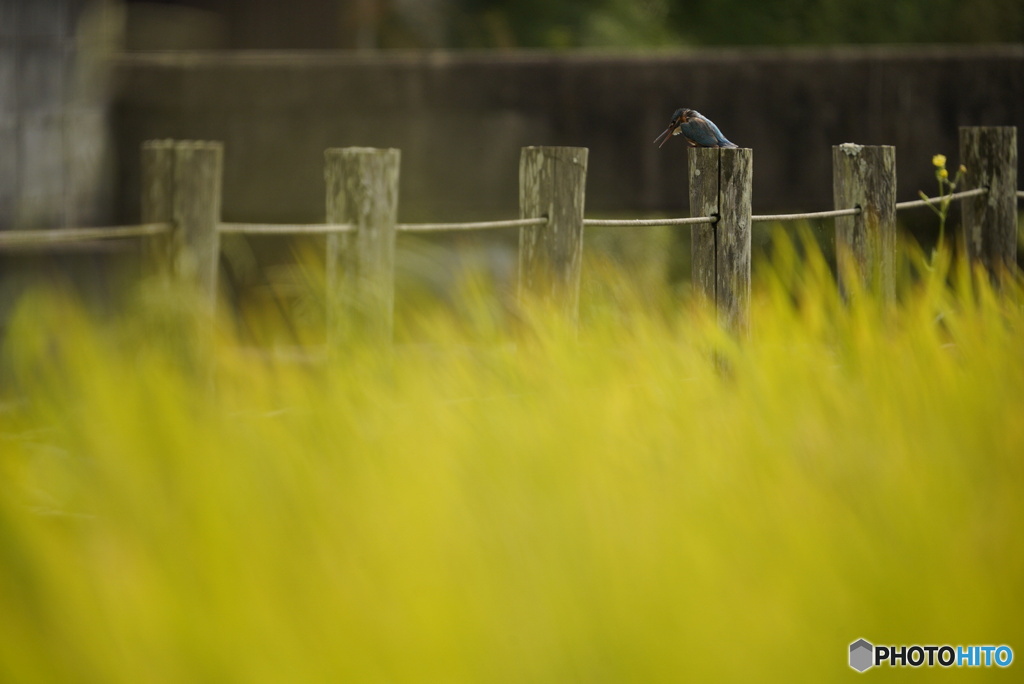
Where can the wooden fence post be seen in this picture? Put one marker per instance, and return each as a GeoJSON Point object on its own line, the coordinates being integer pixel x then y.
{"type": "Point", "coordinates": [720, 186]}
{"type": "Point", "coordinates": [157, 198]}
{"type": "Point", "coordinates": [865, 177]}
{"type": "Point", "coordinates": [181, 185]}
{"type": "Point", "coordinates": [362, 190]}
{"type": "Point", "coordinates": [990, 220]}
{"type": "Point", "coordinates": [552, 185]}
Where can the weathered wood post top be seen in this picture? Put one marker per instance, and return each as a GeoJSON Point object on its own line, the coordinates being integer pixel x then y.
{"type": "Point", "coordinates": [864, 177]}
{"type": "Point", "coordinates": [552, 185]}
{"type": "Point", "coordinates": [990, 220]}
{"type": "Point", "coordinates": [181, 185]}
{"type": "Point", "coordinates": [362, 191]}
{"type": "Point", "coordinates": [720, 186]}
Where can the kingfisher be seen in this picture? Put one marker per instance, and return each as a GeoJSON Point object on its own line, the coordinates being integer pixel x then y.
{"type": "Point", "coordinates": [698, 130]}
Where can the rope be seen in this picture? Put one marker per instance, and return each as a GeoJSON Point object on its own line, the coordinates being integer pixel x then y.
{"type": "Point", "coordinates": [66, 235]}
{"type": "Point", "coordinates": [324, 228]}
{"type": "Point", "coordinates": [807, 215]}
{"type": "Point", "coordinates": [284, 228]}
{"type": "Point", "coordinates": [258, 228]}
{"type": "Point", "coordinates": [1020, 194]}
{"type": "Point", "coordinates": [649, 222]}
{"type": "Point", "coordinates": [472, 225]}
{"type": "Point", "coordinates": [913, 204]}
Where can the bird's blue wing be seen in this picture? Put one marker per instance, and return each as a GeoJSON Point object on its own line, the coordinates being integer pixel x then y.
{"type": "Point", "coordinates": [701, 132]}
{"type": "Point", "coordinates": [704, 133]}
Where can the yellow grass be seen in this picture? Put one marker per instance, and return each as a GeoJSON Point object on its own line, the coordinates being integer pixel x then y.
{"type": "Point", "coordinates": [646, 500]}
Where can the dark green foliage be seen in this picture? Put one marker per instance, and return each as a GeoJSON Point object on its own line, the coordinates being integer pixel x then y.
{"type": "Point", "coordinates": [568, 23]}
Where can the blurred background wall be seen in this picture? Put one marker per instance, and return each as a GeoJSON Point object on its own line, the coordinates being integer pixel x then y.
{"type": "Point", "coordinates": [281, 81]}
{"type": "Point", "coordinates": [460, 119]}
{"type": "Point", "coordinates": [461, 85]}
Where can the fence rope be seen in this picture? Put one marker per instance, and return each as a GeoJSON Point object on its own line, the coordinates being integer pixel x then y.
{"type": "Point", "coordinates": [831, 213]}
{"type": "Point", "coordinates": [649, 222]}
{"type": "Point", "coordinates": [471, 225]}
{"type": "Point", "coordinates": [913, 204]}
{"type": "Point", "coordinates": [54, 236]}
{"type": "Point", "coordinates": [68, 235]}
{"type": "Point", "coordinates": [323, 228]}
{"type": "Point", "coordinates": [284, 228]}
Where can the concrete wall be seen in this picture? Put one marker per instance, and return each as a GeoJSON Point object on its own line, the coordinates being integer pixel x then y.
{"type": "Point", "coordinates": [55, 151]}
{"type": "Point", "coordinates": [460, 119]}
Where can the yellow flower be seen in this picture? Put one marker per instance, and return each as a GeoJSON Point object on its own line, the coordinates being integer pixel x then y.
{"type": "Point", "coordinates": [943, 173]}
{"type": "Point", "coordinates": [962, 169]}
{"type": "Point", "coordinates": [939, 160]}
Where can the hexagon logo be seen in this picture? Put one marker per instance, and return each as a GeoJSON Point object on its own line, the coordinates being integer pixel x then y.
{"type": "Point", "coordinates": [861, 655]}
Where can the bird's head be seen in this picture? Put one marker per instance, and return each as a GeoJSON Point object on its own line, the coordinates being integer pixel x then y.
{"type": "Point", "coordinates": [680, 117]}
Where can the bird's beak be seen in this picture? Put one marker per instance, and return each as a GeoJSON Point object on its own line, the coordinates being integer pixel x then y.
{"type": "Point", "coordinates": [665, 135]}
